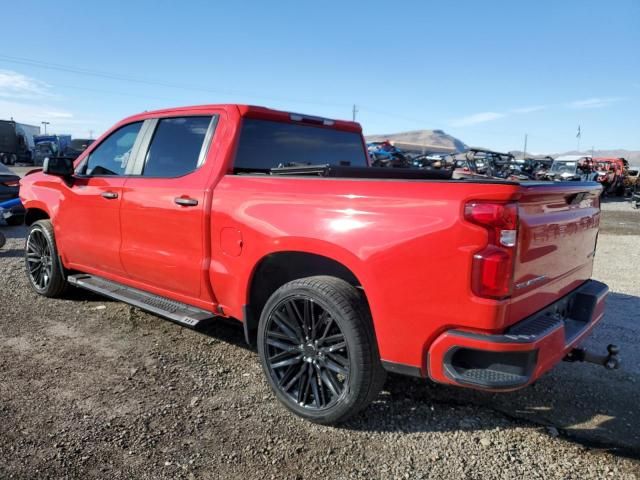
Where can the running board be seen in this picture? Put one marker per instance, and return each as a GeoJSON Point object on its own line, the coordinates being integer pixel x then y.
{"type": "Point", "coordinates": [176, 311]}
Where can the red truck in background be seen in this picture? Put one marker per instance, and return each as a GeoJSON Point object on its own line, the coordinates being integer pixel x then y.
{"type": "Point", "coordinates": [611, 173]}
{"type": "Point", "coordinates": [335, 268]}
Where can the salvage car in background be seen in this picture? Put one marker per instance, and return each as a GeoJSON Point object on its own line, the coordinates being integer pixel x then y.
{"type": "Point", "coordinates": [611, 173]}
{"type": "Point", "coordinates": [13, 214]}
{"type": "Point", "coordinates": [537, 168]}
{"type": "Point", "coordinates": [487, 163]}
{"type": "Point", "coordinates": [630, 181]}
{"type": "Point", "coordinates": [77, 146]}
{"type": "Point", "coordinates": [635, 195]}
{"type": "Point", "coordinates": [385, 154]}
{"type": "Point", "coordinates": [572, 168]}
{"type": "Point", "coordinates": [9, 184]}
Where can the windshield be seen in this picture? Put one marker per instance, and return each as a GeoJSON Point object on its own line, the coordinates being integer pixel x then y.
{"type": "Point", "coordinates": [265, 145]}
{"type": "Point", "coordinates": [564, 167]}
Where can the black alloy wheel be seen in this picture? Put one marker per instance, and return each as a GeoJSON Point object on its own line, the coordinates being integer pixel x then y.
{"type": "Point", "coordinates": [318, 349]}
{"type": "Point", "coordinates": [44, 270]}
{"type": "Point", "coordinates": [307, 353]}
{"type": "Point", "coordinates": [39, 261]}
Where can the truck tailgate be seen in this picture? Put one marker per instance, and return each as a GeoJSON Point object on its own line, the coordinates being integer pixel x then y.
{"type": "Point", "coordinates": [557, 238]}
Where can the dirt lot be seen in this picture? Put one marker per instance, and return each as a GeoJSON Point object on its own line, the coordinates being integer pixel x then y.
{"type": "Point", "coordinates": [91, 388]}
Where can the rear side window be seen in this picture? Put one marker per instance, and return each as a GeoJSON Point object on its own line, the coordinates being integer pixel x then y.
{"type": "Point", "coordinates": [176, 146]}
{"type": "Point", "coordinates": [265, 144]}
{"type": "Point", "coordinates": [113, 154]}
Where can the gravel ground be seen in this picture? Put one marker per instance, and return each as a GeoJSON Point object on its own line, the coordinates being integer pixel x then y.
{"type": "Point", "coordinates": [91, 388]}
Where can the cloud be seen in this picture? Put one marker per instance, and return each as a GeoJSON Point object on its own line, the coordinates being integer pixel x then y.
{"type": "Point", "coordinates": [61, 120]}
{"type": "Point", "coordinates": [57, 114]}
{"type": "Point", "coordinates": [15, 85]}
{"type": "Point", "coordinates": [483, 117]}
{"type": "Point", "coordinates": [534, 108]}
{"type": "Point", "coordinates": [31, 101]}
{"type": "Point", "coordinates": [595, 102]}
{"type": "Point", "coordinates": [27, 113]}
{"type": "Point", "coordinates": [477, 118]}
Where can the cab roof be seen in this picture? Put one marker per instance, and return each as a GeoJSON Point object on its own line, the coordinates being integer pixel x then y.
{"type": "Point", "coordinates": [253, 111]}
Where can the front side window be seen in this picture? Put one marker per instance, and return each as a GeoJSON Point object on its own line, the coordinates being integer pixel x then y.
{"type": "Point", "coordinates": [266, 144]}
{"type": "Point", "coordinates": [113, 154]}
{"type": "Point", "coordinates": [176, 146]}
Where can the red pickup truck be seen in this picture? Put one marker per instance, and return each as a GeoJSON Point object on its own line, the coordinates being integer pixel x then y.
{"type": "Point", "coordinates": [338, 271]}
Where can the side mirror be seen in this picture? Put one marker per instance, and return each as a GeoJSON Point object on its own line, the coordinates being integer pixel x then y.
{"type": "Point", "coordinates": [58, 166]}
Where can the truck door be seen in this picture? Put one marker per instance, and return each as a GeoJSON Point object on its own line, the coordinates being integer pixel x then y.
{"type": "Point", "coordinates": [89, 217]}
{"type": "Point", "coordinates": [163, 212]}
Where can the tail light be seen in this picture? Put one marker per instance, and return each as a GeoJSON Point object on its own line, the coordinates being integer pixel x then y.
{"type": "Point", "coordinates": [492, 268]}
{"type": "Point", "coordinates": [11, 183]}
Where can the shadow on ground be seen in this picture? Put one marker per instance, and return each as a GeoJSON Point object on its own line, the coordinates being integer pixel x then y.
{"type": "Point", "coordinates": [584, 403]}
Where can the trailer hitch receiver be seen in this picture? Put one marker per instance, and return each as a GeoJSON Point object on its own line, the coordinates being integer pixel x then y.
{"type": "Point", "coordinates": [611, 361]}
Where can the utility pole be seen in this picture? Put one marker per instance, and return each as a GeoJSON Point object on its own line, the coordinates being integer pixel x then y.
{"type": "Point", "coordinates": [354, 111]}
{"type": "Point", "coordinates": [592, 149]}
{"type": "Point", "coordinates": [45, 126]}
{"type": "Point", "coordinates": [578, 136]}
{"type": "Point", "coordinates": [524, 153]}
{"type": "Point", "coordinates": [90, 134]}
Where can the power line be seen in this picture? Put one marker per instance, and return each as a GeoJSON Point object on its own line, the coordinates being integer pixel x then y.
{"type": "Point", "coordinates": [126, 78]}
{"type": "Point", "coordinates": [180, 86]}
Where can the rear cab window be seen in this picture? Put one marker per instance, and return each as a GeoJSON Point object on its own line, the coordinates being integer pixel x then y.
{"type": "Point", "coordinates": [177, 147]}
{"type": "Point", "coordinates": [266, 144]}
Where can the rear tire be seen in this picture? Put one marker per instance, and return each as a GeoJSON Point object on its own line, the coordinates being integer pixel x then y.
{"type": "Point", "coordinates": [44, 270]}
{"type": "Point", "coordinates": [318, 350]}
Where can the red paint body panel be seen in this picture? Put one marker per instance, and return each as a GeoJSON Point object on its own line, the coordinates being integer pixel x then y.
{"type": "Point", "coordinates": [556, 245]}
{"type": "Point", "coordinates": [405, 241]}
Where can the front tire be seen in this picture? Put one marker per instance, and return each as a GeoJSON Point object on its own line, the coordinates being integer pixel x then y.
{"type": "Point", "coordinates": [318, 350]}
{"type": "Point", "coordinates": [42, 264]}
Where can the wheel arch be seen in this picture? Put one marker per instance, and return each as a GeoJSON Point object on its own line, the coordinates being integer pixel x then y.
{"type": "Point", "coordinates": [33, 214]}
{"type": "Point", "coordinates": [277, 268]}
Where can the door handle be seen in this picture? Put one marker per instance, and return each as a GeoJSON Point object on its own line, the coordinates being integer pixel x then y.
{"type": "Point", "coordinates": [109, 195]}
{"type": "Point", "coordinates": [186, 201]}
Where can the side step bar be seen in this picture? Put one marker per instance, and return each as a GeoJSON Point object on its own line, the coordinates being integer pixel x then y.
{"type": "Point", "coordinates": [176, 311]}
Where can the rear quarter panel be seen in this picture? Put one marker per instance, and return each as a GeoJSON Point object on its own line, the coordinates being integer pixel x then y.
{"type": "Point", "coordinates": [405, 241]}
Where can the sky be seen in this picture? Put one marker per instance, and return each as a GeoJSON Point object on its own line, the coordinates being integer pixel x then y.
{"type": "Point", "coordinates": [487, 72]}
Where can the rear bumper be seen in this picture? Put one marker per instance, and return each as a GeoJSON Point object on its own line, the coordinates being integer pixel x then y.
{"type": "Point", "coordinates": [525, 351]}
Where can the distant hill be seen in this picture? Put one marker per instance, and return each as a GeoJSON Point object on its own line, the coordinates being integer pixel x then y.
{"type": "Point", "coordinates": [422, 140]}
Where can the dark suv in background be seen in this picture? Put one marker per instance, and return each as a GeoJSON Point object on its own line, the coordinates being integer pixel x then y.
{"type": "Point", "coordinates": [9, 187]}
